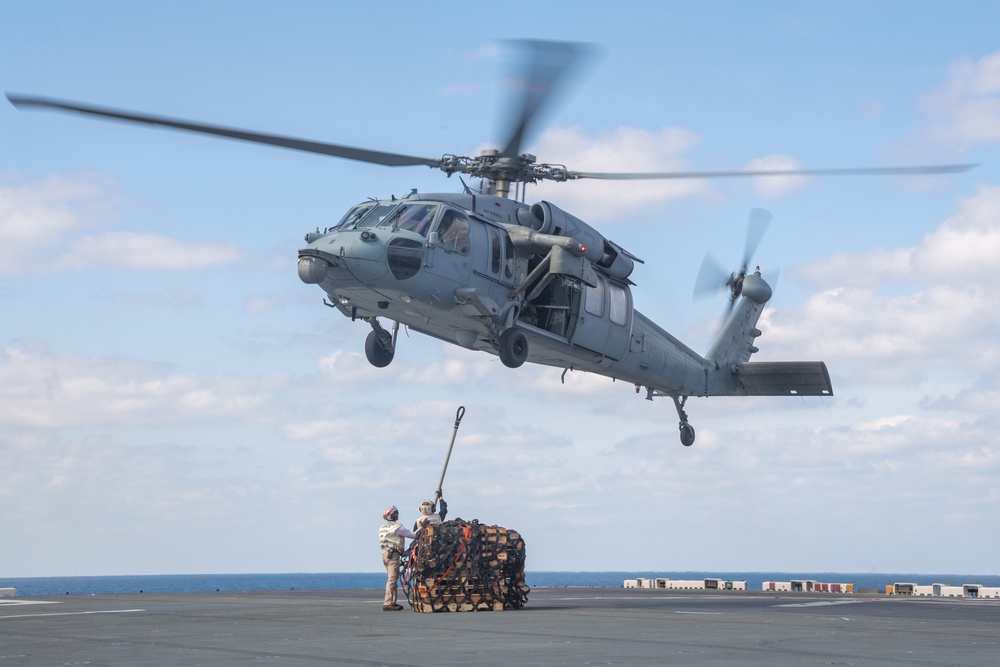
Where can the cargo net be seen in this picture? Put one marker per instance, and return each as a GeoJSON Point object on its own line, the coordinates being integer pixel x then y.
{"type": "Point", "coordinates": [464, 566]}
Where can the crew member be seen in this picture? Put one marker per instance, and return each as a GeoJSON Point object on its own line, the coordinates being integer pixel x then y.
{"type": "Point", "coordinates": [392, 539]}
{"type": "Point", "coordinates": [453, 232]}
{"type": "Point", "coordinates": [428, 515]}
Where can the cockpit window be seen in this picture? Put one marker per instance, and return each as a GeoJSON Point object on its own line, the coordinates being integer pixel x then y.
{"type": "Point", "coordinates": [376, 215]}
{"type": "Point", "coordinates": [415, 218]}
{"type": "Point", "coordinates": [453, 232]}
{"type": "Point", "coordinates": [354, 215]}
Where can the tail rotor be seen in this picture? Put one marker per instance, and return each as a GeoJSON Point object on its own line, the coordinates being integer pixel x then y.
{"type": "Point", "coordinates": [713, 278]}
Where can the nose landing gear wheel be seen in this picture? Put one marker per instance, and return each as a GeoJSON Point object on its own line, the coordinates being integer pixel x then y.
{"type": "Point", "coordinates": [512, 347]}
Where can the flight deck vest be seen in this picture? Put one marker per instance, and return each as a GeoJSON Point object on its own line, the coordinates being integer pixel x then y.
{"type": "Point", "coordinates": [387, 537]}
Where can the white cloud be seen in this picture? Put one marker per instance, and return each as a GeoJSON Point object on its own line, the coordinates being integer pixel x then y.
{"type": "Point", "coordinates": [893, 316]}
{"type": "Point", "coordinates": [962, 252]}
{"type": "Point", "coordinates": [53, 391]}
{"type": "Point", "coordinates": [39, 220]}
{"type": "Point", "coordinates": [776, 186]}
{"type": "Point", "coordinates": [863, 472]}
{"type": "Point", "coordinates": [634, 150]}
{"type": "Point", "coordinates": [131, 250]}
{"type": "Point", "coordinates": [34, 217]}
{"type": "Point", "coordinates": [459, 367]}
{"type": "Point", "coordinates": [625, 149]}
{"type": "Point", "coordinates": [966, 109]}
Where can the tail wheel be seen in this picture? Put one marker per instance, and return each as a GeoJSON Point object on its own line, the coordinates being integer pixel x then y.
{"type": "Point", "coordinates": [378, 349]}
{"type": "Point", "coordinates": [687, 435]}
{"type": "Point", "coordinates": [513, 347]}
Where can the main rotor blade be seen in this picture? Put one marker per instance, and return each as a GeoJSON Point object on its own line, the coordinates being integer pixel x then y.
{"type": "Point", "coordinates": [547, 66]}
{"type": "Point", "coordinates": [362, 155]}
{"type": "Point", "coordinates": [759, 220]}
{"type": "Point", "coordinates": [849, 171]}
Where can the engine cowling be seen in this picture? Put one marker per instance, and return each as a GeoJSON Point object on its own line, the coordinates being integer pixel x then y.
{"type": "Point", "coordinates": [607, 257]}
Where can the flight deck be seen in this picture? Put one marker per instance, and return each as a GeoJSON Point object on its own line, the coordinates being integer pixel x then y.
{"type": "Point", "coordinates": [559, 626]}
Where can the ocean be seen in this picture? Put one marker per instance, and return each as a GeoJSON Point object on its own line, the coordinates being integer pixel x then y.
{"type": "Point", "coordinates": [179, 583]}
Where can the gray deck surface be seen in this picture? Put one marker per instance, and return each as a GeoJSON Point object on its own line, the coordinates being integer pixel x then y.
{"type": "Point", "coordinates": [573, 626]}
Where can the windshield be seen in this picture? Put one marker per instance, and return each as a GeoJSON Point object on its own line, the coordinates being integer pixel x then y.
{"type": "Point", "coordinates": [415, 218]}
{"type": "Point", "coordinates": [354, 215]}
{"type": "Point", "coordinates": [376, 215]}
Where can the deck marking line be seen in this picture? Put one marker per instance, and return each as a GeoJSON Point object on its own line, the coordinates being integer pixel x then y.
{"type": "Point", "coordinates": [76, 613]}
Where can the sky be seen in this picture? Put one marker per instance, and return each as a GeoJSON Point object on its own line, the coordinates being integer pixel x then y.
{"type": "Point", "coordinates": [174, 400]}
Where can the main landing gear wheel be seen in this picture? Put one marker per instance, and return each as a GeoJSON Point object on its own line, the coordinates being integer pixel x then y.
{"type": "Point", "coordinates": [687, 431]}
{"type": "Point", "coordinates": [513, 347]}
{"type": "Point", "coordinates": [379, 349]}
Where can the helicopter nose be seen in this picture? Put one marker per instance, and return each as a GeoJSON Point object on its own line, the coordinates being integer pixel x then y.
{"type": "Point", "coordinates": [355, 257]}
{"type": "Point", "coordinates": [364, 257]}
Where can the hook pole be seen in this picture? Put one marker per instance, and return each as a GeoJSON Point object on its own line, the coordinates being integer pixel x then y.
{"type": "Point", "coordinates": [458, 420]}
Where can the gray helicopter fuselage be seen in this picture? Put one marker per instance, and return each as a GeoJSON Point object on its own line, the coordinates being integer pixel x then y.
{"type": "Point", "coordinates": [397, 260]}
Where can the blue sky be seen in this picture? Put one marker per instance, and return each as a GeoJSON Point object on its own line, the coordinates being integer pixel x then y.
{"type": "Point", "coordinates": [174, 400]}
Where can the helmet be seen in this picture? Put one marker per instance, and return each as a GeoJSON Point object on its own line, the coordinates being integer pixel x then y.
{"type": "Point", "coordinates": [390, 513]}
{"type": "Point", "coordinates": [427, 508]}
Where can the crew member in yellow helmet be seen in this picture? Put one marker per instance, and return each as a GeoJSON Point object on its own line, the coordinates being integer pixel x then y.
{"type": "Point", "coordinates": [428, 516]}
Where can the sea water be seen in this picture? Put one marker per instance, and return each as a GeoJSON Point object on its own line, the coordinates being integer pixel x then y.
{"type": "Point", "coordinates": [181, 583]}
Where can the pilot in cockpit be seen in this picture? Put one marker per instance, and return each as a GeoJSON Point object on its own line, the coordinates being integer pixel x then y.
{"type": "Point", "coordinates": [453, 232]}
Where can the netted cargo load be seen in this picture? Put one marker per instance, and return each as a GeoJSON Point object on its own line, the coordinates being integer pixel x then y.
{"type": "Point", "coordinates": [465, 566]}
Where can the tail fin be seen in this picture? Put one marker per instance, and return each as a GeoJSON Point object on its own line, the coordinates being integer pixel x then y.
{"type": "Point", "coordinates": [735, 344]}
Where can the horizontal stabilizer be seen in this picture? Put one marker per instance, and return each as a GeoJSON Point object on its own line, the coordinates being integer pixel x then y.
{"type": "Point", "coordinates": [785, 378]}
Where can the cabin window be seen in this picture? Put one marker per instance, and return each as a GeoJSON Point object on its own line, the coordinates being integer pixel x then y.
{"type": "Point", "coordinates": [453, 232]}
{"type": "Point", "coordinates": [494, 252]}
{"type": "Point", "coordinates": [619, 304]}
{"type": "Point", "coordinates": [508, 266]}
{"type": "Point", "coordinates": [594, 302]}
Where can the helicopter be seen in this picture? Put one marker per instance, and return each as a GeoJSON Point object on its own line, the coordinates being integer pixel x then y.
{"type": "Point", "coordinates": [486, 271]}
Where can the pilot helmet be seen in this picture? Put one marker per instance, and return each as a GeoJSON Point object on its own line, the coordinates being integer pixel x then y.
{"type": "Point", "coordinates": [390, 513]}
{"type": "Point", "coordinates": [427, 508]}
